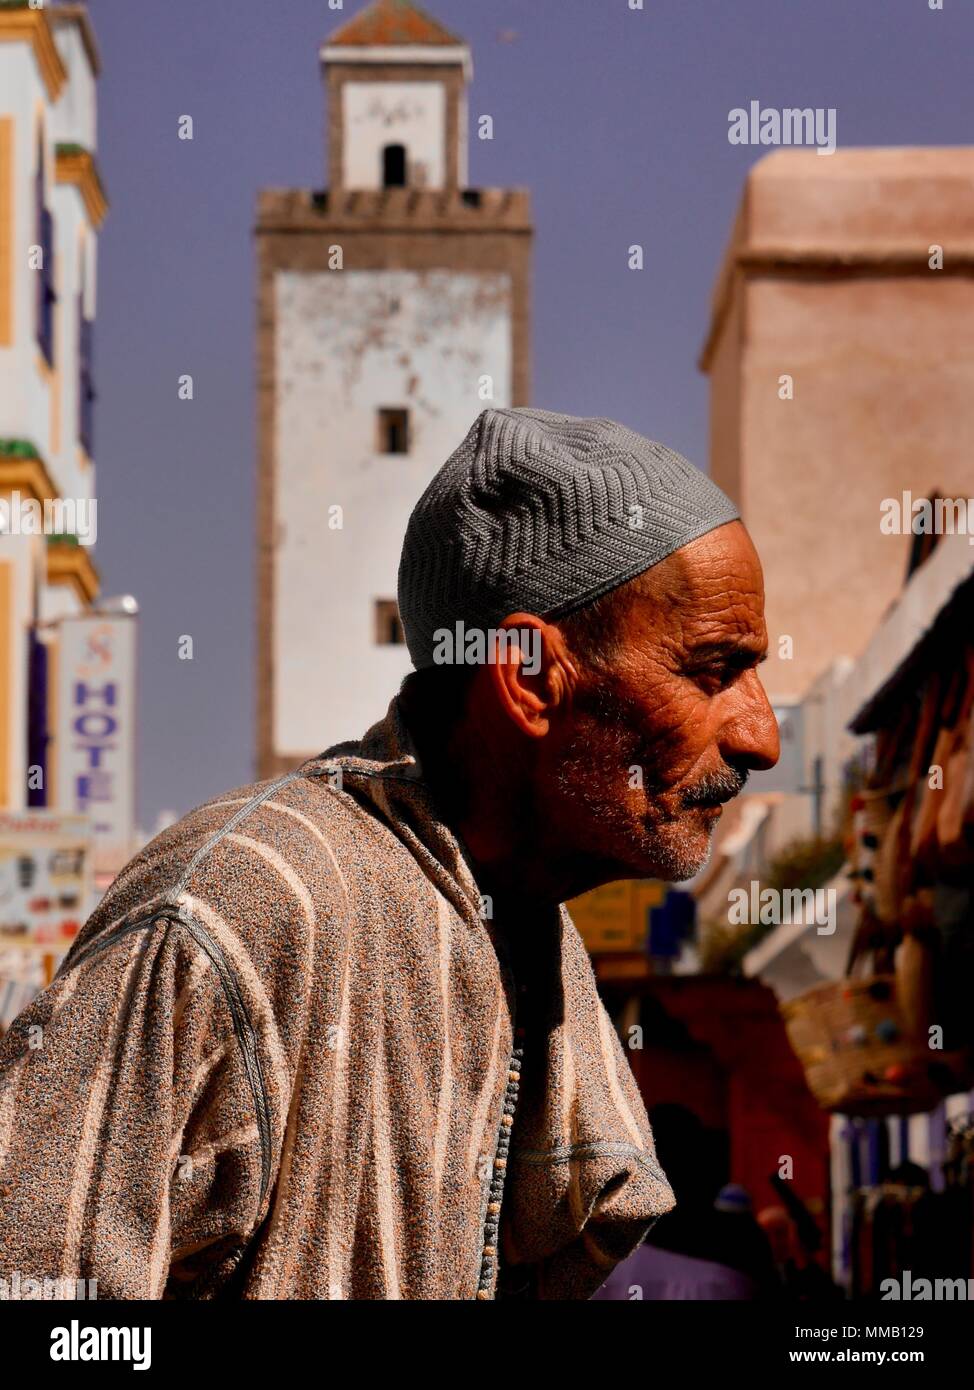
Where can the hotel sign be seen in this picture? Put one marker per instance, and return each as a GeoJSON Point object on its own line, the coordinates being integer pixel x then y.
{"type": "Point", "coordinates": [95, 751]}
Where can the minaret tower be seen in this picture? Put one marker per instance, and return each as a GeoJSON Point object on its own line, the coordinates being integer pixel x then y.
{"type": "Point", "coordinates": [393, 308]}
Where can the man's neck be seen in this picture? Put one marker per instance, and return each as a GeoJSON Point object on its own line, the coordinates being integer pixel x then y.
{"type": "Point", "coordinates": [484, 795]}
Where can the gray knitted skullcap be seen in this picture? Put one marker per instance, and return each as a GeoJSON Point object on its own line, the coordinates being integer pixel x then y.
{"type": "Point", "coordinates": [543, 513]}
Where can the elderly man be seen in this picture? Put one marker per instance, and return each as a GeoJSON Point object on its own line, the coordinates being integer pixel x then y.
{"type": "Point", "coordinates": [334, 1035]}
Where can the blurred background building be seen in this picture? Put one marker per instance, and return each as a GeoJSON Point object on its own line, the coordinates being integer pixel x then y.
{"type": "Point", "coordinates": [67, 658]}
{"type": "Point", "coordinates": [840, 355]}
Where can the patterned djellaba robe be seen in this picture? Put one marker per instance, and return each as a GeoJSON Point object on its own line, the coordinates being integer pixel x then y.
{"type": "Point", "coordinates": [289, 1056]}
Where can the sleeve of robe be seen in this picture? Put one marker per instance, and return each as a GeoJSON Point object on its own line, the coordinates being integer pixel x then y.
{"type": "Point", "coordinates": [584, 1181]}
{"type": "Point", "coordinates": [129, 1146]}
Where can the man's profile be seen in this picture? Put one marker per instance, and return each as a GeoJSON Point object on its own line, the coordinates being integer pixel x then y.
{"type": "Point", "coordinates": [334, 1035]}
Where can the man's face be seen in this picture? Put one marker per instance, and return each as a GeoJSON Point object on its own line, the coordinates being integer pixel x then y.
{"type": "Point", "coordinates": [634, 776]}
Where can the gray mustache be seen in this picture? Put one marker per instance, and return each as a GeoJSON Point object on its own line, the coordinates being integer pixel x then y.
{"type": "Point", "coordinates": [715, 787]}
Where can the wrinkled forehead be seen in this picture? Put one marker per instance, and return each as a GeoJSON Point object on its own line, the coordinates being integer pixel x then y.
{"type": "Point", "coordinates": [711, 589]}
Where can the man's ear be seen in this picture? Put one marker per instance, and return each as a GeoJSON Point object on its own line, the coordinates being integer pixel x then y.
{"type": "Point", "coordinates": [530, 672]}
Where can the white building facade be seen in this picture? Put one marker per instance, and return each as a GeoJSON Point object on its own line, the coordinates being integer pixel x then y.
{"type": "Point", "coordinates": [51, 208]}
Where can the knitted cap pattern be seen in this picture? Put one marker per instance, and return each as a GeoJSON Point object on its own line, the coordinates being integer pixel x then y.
{"type": "Point", "coordinates": [543, 513]}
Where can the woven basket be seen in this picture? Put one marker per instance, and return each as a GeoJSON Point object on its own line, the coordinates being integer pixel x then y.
{"type": "Point", "coordinates": [853, 1041]}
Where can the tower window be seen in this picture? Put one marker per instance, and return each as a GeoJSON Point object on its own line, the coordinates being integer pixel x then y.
{"type": "Point", "coordinates": [388, 628]}
{"type": "Point", "coordinates": [394, 166]}
{"type": "Point", "coordinates": [393, 430]}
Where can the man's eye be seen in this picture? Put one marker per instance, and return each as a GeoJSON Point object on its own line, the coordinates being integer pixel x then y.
{"type": "Point", "coordinates": [717, 677]}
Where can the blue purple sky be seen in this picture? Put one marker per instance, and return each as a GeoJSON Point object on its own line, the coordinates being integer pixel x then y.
{"type": "Point", "coordinates": [617, 122]}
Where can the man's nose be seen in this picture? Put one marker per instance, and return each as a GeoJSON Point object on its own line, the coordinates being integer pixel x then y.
{"type": "Point", "coordinates": [750, 737]}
